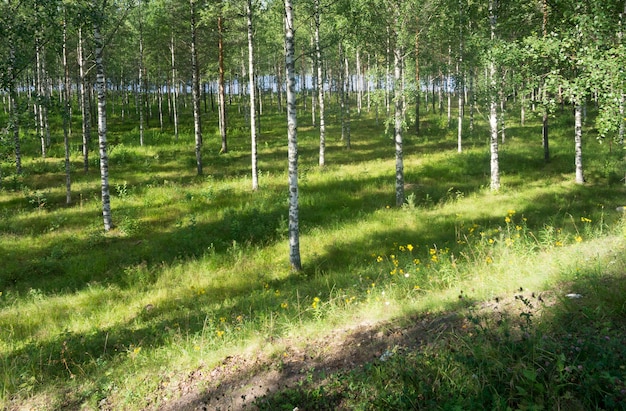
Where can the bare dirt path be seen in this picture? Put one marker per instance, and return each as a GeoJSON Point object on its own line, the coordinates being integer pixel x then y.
{"type": "Point", "coordinates": [241, 380]}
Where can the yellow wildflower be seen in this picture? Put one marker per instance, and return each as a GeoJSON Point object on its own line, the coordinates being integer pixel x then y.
{"type": "Point", "coordinates": [379, 259]}
{"type": "Point", "coordinates": [579, 239]}
{"type": "Point", "coordinates": [409, 247]}
{"type": "Point", "coordinates": [489, 260]}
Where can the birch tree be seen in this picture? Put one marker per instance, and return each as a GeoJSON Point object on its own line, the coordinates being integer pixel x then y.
{"type": "Point", "coordinates": [252, 94]}
{"type": "Point", "coordinates": [320, 84]}
{"type": "Point", "coordinates": [493, 106]}
{"type": "Point", "coordinates": [399, 110]}
{"type": "Point", "coordinates": [195, 88]}
{"type": "Point", "coordinates": [292, 137]}
{"type": "Point", "coordinates": [98, 19]}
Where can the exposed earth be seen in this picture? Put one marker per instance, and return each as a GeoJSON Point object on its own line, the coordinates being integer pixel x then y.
{"type": "Point", "coordinates": [241, 382]}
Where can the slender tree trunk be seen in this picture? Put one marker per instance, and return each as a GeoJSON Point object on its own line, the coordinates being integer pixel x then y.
{"type": "Point", "coordinates": [342, 95]}
{"type": "Point", "coordinates": [472, 97]}
{"type": "Point", "coordinates": [449, 85]}
{"type": "Point", "coordinates": [174, 88]}
{"type": "Point", "coordinates": [160, 102]}
{"type": "Point", "coordinates": [13, 97]}
{"type": "Point", "coordinates": [493, 109]}
{"type": "Point", "coordinates": [140, 94]}
{"type": "Point", "coordinates": [195, 89]}
{"type": "Point", "coordinates": [84, 109]}
{"type": "Point", "coordinates": [40, 88]}
{"type": "Point", "coordinates": [102, 127]}
{"type": "Point", "coordinates": [359, 83]}
{"type": "Point", "coordinates": [252, 93]}
{"type": "Point", "coordinates": [461, 83]}
{"type": "Point", "coordinates": [320, 85]}
{"type": "Point", "coordinates": [578, 141]}
{"type": "Point", "coordinates": [222, 91]}
{"type": "Point", "coordinates": [544, 136]}
{"type": "Point", "coordinates": [418, 87]}
{"type": "Point", "coordinates": [66, 112]}
{"type": "Point", "coordinates": [346, 98]}
{"type": "Point", "coordinates": [501, 120]}
{"type": "Point", "coordinates": [294, 231]}
{"type": "Point", "coordinates": [545, 141]}
{"type": "Point", "coordinates": [398, 92]}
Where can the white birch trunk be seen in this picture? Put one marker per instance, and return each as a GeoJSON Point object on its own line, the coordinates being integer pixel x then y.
{"type": "Point", "coordinates": [346, 97]}
{"type": "Point", "coordinates": [398, 116]}
{"type": "Point", "coordinates": [292, 130]}
{"type": "Point", "coordinates": [84, 108]}
{"type": "Point", "coordinates": [66, 113]}
{"type": "Point", "coordinates": [578, 142]}
{"type": "Point", "coordinates": [140, 85]}
{"type": "Point", "coordinates": [493, 110]}
{"type": "Point", "coordinates": [252, 93]}
{"type": "Point", "coordinates": [222, 91]}
{"type": "Point", "coordinates": [320, 86]}
{"type": "Point", "coordinates": [13, 97]}
{"type": "Point", "coordinates": [102, 128]}
{"type": "Point", "coordinates": [174, 88]}
{"type": "Point", "coordinates": [195, 90]}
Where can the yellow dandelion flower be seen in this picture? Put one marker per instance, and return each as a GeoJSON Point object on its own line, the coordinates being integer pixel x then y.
{"type": "Point", "coordinates": [409, 247]}
{"type": "Point", "coordinates": [489, 260]}
{"type": "Point", "coordinates": [511, 213]}
{"type": "Point", "coordinates": [284, 304]}
{"type": "Point", "coordinates": [402, 248]}
{"type": "Point", "coordinates": [222, 319]}
{"type": "Point", "coordinates": [434, 258]}
{"type": "Point", "coordinates": [220, 333]}
{"type": "Point", "coordinates": [579, 239]}
{"type": "Point", "coordinates": [379, 259]}
{"type": "Point", "coordinates": [416, 261]}
{"type": "Point", "coordinates": [491, 241]}
{"type": "Point", "coordinates": [558, 244]}
{"type": "Point", "coordinates": [416, 287]}
{"type": "Point", "coordinates": [518, 227]}
{"type": "Point", "coordinates": [432, 251]}
{"type": "Point", "coordinates": [507, 219]}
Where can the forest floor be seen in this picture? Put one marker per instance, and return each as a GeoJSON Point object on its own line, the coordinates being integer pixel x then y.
{"type": "Point", "coordinates": [242, 382]}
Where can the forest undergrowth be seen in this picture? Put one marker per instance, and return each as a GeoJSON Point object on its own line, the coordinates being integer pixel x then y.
{"type": "Point", "coordinates": [196, 270]}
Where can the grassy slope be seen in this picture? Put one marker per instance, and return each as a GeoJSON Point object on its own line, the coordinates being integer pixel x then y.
{"type": "Point", "coordinates": [197, 266]}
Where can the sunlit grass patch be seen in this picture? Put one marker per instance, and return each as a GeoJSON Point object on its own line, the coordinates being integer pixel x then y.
{"type": "Point", "coordinates": [196, 267]}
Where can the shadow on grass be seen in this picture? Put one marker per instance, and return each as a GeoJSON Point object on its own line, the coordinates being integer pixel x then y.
{"type": "Point", "coordinates": [536, 350]}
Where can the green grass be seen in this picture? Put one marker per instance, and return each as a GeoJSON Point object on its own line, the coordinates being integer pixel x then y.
{"type": "Point", "coordinates": [197, 269]}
